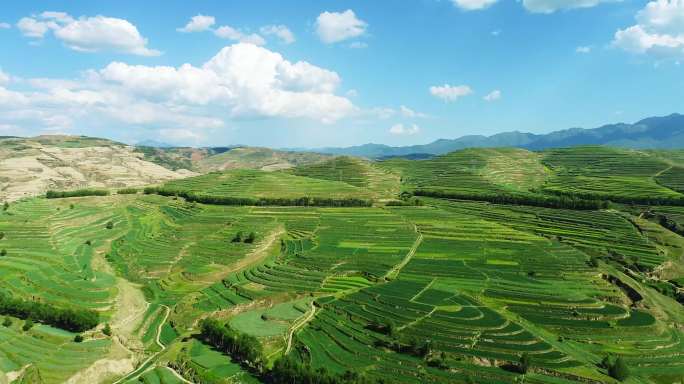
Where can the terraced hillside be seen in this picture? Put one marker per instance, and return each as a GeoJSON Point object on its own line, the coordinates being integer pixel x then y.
{"type": "Point", "coordinates": [257, 158]}
{"type": "Point", "coordinates": [492, 170]}
{"type": "Point", "coordinates": [409, 289]}
{"type": "Point", "coordinates": [355, 171]}
{"type": "Point", "coordinates": [244, 183]}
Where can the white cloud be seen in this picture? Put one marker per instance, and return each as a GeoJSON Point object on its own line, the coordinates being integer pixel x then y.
{"type": "Point", "coordinates": [333, 27]}
{"type": "Point", "coordinates": [448, 92]}
{"type": "Point", "coordinates": [352, 93]}
{"type": "Point", "coordinates": [492, 96]}
{"type": "Point", "coordinates": [230, 33]}
{"type": "Point", "coordinates": [410, 113]}
{"type": "Point", "coordinates": [4, 77]}
{"type": "Point", "coordinates": [659, 30]}
{"type": "Point", "coordinates": [401, 129]}
{"type": "Point", "coordinates": [472, 5]}
{"type": "Point", "coordinates": [32, 28]}
{"type": "Point", "coordinates": [198, 23]}
{"type": "Point", "coordinates": [5, 26]}
{"type": "Point", "coordinates": [550, 6]}
{"type": "Point", "coordinates": [358, 45]}
{"type": "Point", "coordinates": [282, 32]}
{"type": "Point", "coordinates": [241, 81]}
{"type": "Point", "coordinates": [583, 49]}
{"type": "Point", "coordinates": [88, 34]}
{"type": "Point", "coordinates": [495, 32]}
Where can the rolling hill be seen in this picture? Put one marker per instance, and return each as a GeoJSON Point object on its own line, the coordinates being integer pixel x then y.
{"type": "Point", "coordinates": [229, 277]}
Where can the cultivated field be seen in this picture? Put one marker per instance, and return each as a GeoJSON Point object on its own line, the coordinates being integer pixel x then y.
{"type": "Point", "coordinates": [452, 288]}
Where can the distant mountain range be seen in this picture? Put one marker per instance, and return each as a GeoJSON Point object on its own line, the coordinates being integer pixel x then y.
{"type": "Point", "coordinates": [665, 132]}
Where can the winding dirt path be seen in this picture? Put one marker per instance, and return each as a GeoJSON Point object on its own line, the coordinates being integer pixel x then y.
{"type": "Point", "coordinates": [146, 364]}
{"type": "Point", "coordinates": [298, 326]}
{"type": "Point", "coordinates": [392, 273]}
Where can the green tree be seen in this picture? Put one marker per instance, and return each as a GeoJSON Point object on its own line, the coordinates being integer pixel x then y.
{"type": "Point", "coordinates": [250, 238]}
{"type": "Point", "coordinates": [619, 370]}
{"type": "Point", "coordinates": [3, 252]}
{"type": "Point", "coordinates": [237, 238]}
{"type": "Point", "coordinates": [524, 363]}
{"type": "Point", "coordinates": [78, 338]}
{"type": "Point", "coordinates": [107, 330]}
{"type": "Point", "coordinates": [7, 322]}
{"type": "Point", "coordinates": [28, 324]}
{"type": "Point", "coordinates": [109, 225]}
{"type": "Point", "coordinates": [2, 235]}
{"type": "Point", "coordinates": [5, 206]}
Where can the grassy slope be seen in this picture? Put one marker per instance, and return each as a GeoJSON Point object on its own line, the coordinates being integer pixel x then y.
{"type": "Point", "coordinates": [354, 171]}
{"type": "Point", "coordinates": [252, 183]}
{"type": "Point", "coordinates": [469, 170]}
{"type": "Point", "coordinates": [257, 158]}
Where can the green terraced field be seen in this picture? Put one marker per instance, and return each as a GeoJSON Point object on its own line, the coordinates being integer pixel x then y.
{"type": "Point", "coordinates": [419, 290]}
{"type": "Point", "coordinates": [256, 184]}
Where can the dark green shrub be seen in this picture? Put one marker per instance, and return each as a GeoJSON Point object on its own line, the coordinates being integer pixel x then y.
{"type": "Point", "coordinates": [28, 324]}
{"type": "Point", "coordinates": [619, 370]}
{"type": "Point", "coordinates": [524, 363]}
{"type": "Point", "coordinates": [237, 238]}
{"type": "Point", "coordinates": [78, 338]}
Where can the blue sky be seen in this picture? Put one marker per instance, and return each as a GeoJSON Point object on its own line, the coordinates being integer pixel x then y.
{"type": "Point", "coordinates": [335, 73]}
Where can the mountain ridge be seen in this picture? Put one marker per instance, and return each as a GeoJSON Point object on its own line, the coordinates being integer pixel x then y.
{"type": "Point", "coordinates": [660, 132]}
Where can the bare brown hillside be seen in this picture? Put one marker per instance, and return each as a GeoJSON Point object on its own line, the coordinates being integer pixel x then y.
{"type": "Point", "coordinates": [30, 166]}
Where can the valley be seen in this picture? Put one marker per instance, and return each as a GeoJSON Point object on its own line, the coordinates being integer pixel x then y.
{"type": "Point", "coordinates": [493, 265]}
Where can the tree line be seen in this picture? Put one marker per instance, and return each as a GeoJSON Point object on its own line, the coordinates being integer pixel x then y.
{"type": "Point", "coordinates": [74, 320]}
{"type": "Point", "coordinates": [247, 351]}
{"type": "Point", "coordinates": [244, 349]}
{"type": "Point", "coordinates": [636, 200]}
{"type": "Point", "coordinates": [546, 201]}
{"type": "Point", "coordinates": [261, 201]}
{"type": "Point", "coordinates": [52, 194]}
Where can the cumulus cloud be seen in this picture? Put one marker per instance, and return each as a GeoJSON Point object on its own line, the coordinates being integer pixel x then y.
{"type": "Point", "coordinates": [358, 45]}
{"type": "Point", "coordinates": [659, 30]}
{"type": "Point", "coordinates": [410, 113]}
{"type": "Point", "coordinates": [333, 27]}
{"type": "Point", "coordinates": [5, 26]}
{"type": "Point", "coordinates": [198, 23]}
{"type": "Point", "coordinates": [88, 34]}
{"type": "Point", "coordinates": [448, 92]}
{"type": "Point", "coordinates": [230, 33]}
{"type": "Point", "coordinates": [407, 130]}
{"type": "Point", "coordinates": [583, 49]}
{"type": "Point", "coordinates": [4, 78]}
{"type": "Point", "coordinates": [551, 6]}
{"type": "Point", "coordinates": [32, 28]}
{"type": "Point", "coordinates": [280, 31]}
{"type": "Point", "coordinates": [472, 5]}
{"type": "Point", "coordinates": [242, 81]}
{"type": "Point", "coordinates": [492, 96]}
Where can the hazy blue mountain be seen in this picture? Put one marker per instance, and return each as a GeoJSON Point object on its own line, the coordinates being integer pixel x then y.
{"type": "Point", "coordinates": [153, 144]}
{"type": "Point", "coordinates": [652, 132]}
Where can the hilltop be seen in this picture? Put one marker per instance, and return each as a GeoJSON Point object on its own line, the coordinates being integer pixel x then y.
{"type": "Point", "coordinates": [30, 166]}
